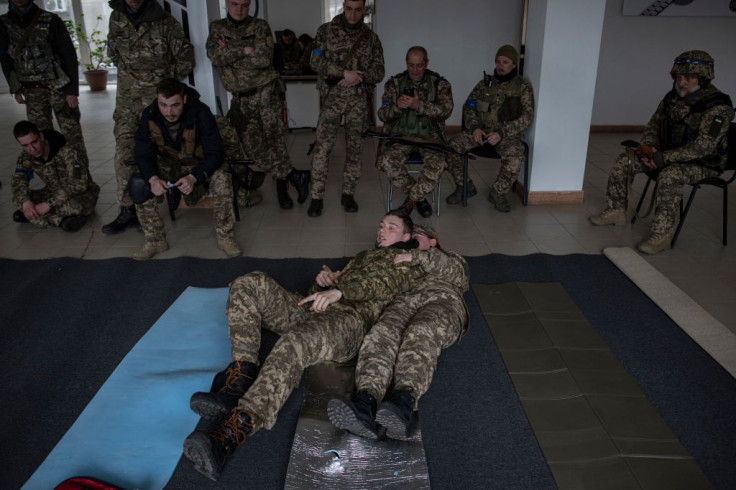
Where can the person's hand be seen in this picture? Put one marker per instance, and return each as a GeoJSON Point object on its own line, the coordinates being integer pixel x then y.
{"type": "Point", "coordinates": [72, 101]}
{"type": "Point", "coordinates": [19, 97]}
{"type": "Point", "coordinates": [479, 136]}
{"type": "Point", "coordinates": [405, 257]}
{"type": "Point", "coordinates": [646, 155]}
{"type": "Point", "coordinates": [327, 278]}
{"type": "Point", "coordinates": [29, 210]}
{"type": "Point", "coordinates": [407, 102]}
{"type": "Point", "coordinates": [158, 186]}
{"type": "Point", "coordinates": [221, 42]}
{"type": "Point", "coordinates": [186, 184]}
{"type": "Point", "coordinates": [43, 208]}
{"type": "Point", "coordinates": [321, 300]}
{"type": "Point", "coordinates": [352, 77]}
{"type": "Point", "coordinates": [248, 50]}
{"type": "Point", "coordinates": [494, 138]}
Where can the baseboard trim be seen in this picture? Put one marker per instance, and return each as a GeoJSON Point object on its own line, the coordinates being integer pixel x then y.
{"type": "Point", "coordinates": [623, 128]}
{"type": "Point", "coordinates": [551, 197]}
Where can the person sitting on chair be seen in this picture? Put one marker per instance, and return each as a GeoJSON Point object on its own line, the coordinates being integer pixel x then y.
{"type": "Point", "coordinates": [416, 103]}
{"type": "Point", "coordinates": [685, 140]}
{"type": "Point", "coordinates": [498, 110]}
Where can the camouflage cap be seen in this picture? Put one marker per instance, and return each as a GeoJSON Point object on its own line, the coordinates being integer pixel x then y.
{"type": "Point", "coordinates": [693, 63]}
{"type": "Point", "coordinates": [425, 230]}
{"type": "Point", "coordinates": [508, 51]}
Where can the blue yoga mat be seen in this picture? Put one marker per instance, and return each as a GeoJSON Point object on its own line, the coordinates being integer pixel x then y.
{"type": "Point", "coordinates": [131, 433]}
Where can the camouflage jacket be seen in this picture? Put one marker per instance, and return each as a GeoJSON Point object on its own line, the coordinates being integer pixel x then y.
{"type": "Point", "coordinates": [48, 56]}
{"type": "Point", "coordinates": [331, 46]}
{"type": "Point", "coordinates": [435, 106]}
{"type": "Point", "coordinates": [147, 50]}
{"type": "Point", "coordinates": [503, 107]}
{"type": "Point", "coordinates": [238, 71]}
{"type": "Point", "coordinates": [65, 174]}
{"type": "Point", "coordinates": [691, 128]}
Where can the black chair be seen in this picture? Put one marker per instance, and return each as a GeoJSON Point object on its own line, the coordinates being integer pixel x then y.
{"type": "Point", "coordinates": [413, 163]}
{"type": "Point", "coordinates": [719, 181]}
{"type": "Point", "coordinates": [488, 151]}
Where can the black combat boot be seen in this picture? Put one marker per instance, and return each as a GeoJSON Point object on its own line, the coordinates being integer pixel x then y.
{"type": "Point", "coordinates": [73, 223]}
{"type": "Point", "coordinates": [282, 192]}
{"type": "Point", "coordinates": [424, 208]}
{"type": "Point", "coordinates": [407, 207]}
{"type": "Point", "coordinates": [210, 451]}
{"type": "Point", "coordinates": [315, 208]}
{"type": "Point", "coordinates": [357, 416]}
{"type": "Point", "coordinates": [457, 196]}
{"type": "Point", "coordinates": [239, 376]}
{"type": "Point", "coordinates": [397, 415]}
{"type": "Point", "coordinates": [300, 180]}
{"type": "Point", "coordinates": [126, 219]}
{"type": "Point", "coordinates": [348, 202]}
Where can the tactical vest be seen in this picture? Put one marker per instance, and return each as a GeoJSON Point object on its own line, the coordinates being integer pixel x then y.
{"type": "Point", "coordinates": [411, 123]}
{"type": "Point", "coordinates": [190, 152]}
{"type": "Point", "coordinates": [682, 118]}
{"type": "Point", "coordinates": [35, 62]}
{"type": "Point", "coordinates": [509, 109]}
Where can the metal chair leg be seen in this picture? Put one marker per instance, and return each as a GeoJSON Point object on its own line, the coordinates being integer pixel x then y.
{"type": "Point", "coordinates": [683, 215]}
{"type": "Point", "coordinates": [641, 199]}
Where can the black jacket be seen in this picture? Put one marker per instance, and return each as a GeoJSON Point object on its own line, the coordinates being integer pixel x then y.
{"type": "Point", "coordinates": [197, 115]}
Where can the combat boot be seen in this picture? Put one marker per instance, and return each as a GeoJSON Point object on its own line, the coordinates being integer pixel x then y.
{"type": "Point", "coordinates": [616, 217]}
{"type": "Point", "coordinates": [407, 207]}
{"type": "Point", "coordinates": [499, 201]}
{"type": "Point", "coordinates": [397, 415]}
{"type": "Point", "coordinates": [348, 202]}
{"type": "Point", "coordinates": [73, 223]}
{"type": "Point", "coordinates": [149, 249]}
{"type": "Point", "coordinates": [300, 180]}
{"type": "Point", "coordinates": [315, 208]}
{"type": "Point", "coordinates": [229, 246]}
{"type": "Point", "coordinates": [210, 451]}
{"type": "Point", "coordinates": [357, 416]}
{"type": "Point", "coordinates": [457, 196]}
{"type": "Point", "coordinates": [282, 193]}
{"type": "Point", "coordinates": [656, 243]}
{"type": "Point", "coordinates": [213, 405]}
{"type": "Point", "coordinates": [125, 219]}
{"type": "Point", "coordinates": [424, 208]}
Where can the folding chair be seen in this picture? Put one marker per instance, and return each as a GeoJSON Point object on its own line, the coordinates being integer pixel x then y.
{"type": "Point", "coordinates": [414, 163]}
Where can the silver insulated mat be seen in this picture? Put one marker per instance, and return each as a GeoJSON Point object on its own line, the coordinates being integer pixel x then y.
{"type": "Point", "coordinates": [323, 456]}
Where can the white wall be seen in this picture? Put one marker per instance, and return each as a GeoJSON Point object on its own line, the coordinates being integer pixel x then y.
{"type": "Point", "coordinates": [636, 57]}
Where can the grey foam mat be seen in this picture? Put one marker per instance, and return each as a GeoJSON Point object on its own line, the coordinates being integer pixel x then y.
{"type": "Point", "coordinates": [323, 456]}
{"type": "Point", "coordinates": [594, 425]}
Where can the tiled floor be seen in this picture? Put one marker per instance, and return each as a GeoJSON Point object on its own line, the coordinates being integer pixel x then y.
{"type": "Point", "coordinates": [699, 264]}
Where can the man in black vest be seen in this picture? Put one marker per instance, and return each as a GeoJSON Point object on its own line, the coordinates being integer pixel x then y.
{"type": "Point", "coordinates": [685, 139]}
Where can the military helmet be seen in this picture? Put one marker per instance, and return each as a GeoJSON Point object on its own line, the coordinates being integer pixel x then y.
{"type": "Point", "coordinates": [693, 63]}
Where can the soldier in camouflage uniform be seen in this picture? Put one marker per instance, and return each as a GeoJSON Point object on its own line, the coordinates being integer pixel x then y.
{"type": "Point", "coordinates": [331, 331]}
{"type": "Point", "coordinates": [69, 195]}
{"type": "Point", "coordinates": [291, 52]}
{"type": "Point", "coordinates": [147, 44]}
{"type": "Point", "coordinates": [241, 47]}
{"type": "Point", "coordinates": [178, 144]}
{"type": "Point", "coordinates": [403, 347]}
{"type": "Point", "coordinates": [685, 140]}
{"type": "Point", "coordinates": [42, 69]}
{"type": "Point", "coordinates": [415, 104]}
{"type": "Point", "coordinates": [498, 110]}
{"type": "Point", "coordinates": [348, 59]}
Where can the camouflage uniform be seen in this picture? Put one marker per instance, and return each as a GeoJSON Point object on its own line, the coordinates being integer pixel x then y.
{"type": "Point", "coordinates": [191, 146]}
{"type": "Point", "coordinates": [146, 49]}
{"type": "Point", "coordinates": [257, 107]}
{"type": "Point", "coordinates": [69, 188]}
{"type": "Point", "coordinates": [690, 134]}
{"type": "Point", "coordinates": [427, 123]}
{"type": "Point", "coordinates": [504, 107]}
{"type": "Point", "coordinates": [331, 46]}
{"type": "Point", "coordinates": [405, 343]}
{"type": "Point", "coordinates": [291, 55]}
{"type": "Point", "coordinates": [44, 70]}
{"type": "Point", "coordinates": [368, 283]}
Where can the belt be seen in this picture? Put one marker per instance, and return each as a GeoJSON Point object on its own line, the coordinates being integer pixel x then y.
{"type": "Point", "coordinates": [247, 93]}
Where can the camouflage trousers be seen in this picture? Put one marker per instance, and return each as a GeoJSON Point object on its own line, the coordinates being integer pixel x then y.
{"type": "Point", "coordinates": [127, 117]}
{"type": "Point", "coordinates": [511, 151]}
{"type": "Point", "coordinates": [256, 301]}
{"type": "Point", "coordinates": [669, 188]}
{"type": "Point", "coordinates": [220, 186]}
{"type": "Point", "coordinates": [405, 343]}
{"type": "Point", "coordinates": [41, 102]}
{"type": "Point", "coordinates": [392, 160]}
{"type": "Point", "coordinates": [333, 106]}
{"type": "Point", "coordinates": [259, 119]}
{"type": "Point", "coordinates": [80, 204]}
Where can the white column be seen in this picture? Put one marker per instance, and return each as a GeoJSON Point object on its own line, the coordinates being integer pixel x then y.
{"type": "Point", "coordinates": [563, 43]}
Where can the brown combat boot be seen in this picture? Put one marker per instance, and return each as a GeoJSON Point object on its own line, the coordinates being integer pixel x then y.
{"type": "Point", "coordinates": [229, 246]}
{"type": "Point", "coordinates": [656, 243]}
{"type": "Point", "coordinates": [149, 249]}
{"type": "Point", "coordinates": [616, 217]}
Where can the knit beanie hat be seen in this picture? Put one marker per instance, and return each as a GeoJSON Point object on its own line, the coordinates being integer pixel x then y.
{"type": "Point", "coordinates": [509, 52]}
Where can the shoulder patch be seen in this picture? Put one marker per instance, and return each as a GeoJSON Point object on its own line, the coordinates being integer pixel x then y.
{"type": "Point", "coordinates": [76, 170]}
{"type": "Point", "coordinates": [715, 126]}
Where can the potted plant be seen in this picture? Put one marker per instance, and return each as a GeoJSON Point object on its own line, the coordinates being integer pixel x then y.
{"type": "Point", "coordinates": [96, 46]}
